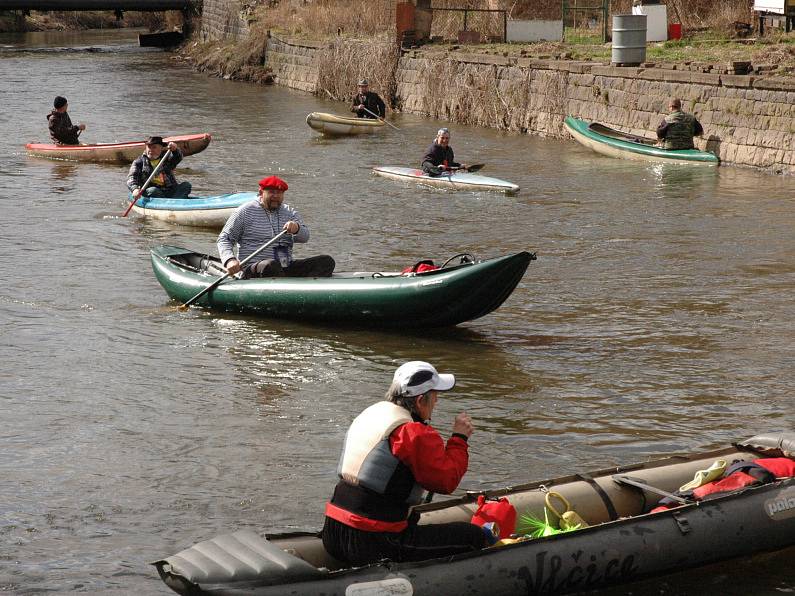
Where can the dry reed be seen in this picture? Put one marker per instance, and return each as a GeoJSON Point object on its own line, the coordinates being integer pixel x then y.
{"type": "Point", "coordinates": [328, 17]}
{"type": "Point", "coordinates": [241, 61]}
{"type": "Point", "coordinates": [344, 62]}
{"type": "Point", "coordinates": [503, 98]}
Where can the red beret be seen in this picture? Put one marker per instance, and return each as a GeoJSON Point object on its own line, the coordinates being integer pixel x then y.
{"type": "Point", "coordinates": [272, 182]}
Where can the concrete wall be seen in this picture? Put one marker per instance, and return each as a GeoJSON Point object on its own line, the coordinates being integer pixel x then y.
{"type": "Point", "coordinates": [223, 19]}
{"type": "Point", "coordinates": [748, 120]}
{"type": "Point", "coordinates": [535, 30]}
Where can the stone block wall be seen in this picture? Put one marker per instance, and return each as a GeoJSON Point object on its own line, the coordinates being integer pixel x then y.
{"type": "Point", "coordinates": [293, 64]}
{"type": "Point", "coordinates": [748, 120]}
{"type": "Point", "coordinates": [223, 19]}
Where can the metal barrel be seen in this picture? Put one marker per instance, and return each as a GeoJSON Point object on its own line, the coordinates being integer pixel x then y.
{"type": "Point", "coordinates": [629, 39]}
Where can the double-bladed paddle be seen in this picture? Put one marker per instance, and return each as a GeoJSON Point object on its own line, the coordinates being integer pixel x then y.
{"type": "Point", "coordinates": [216, 283]}
{"type": "Point", "coordinates": [472, 168]}
{"type": "Point", "coordinates": [379, 118]}
{"type": "Point", "coordinates": [149, 180]}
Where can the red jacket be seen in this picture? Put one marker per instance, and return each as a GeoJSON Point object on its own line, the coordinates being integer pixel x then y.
{"type": "Point", "coordinates": [436, 467]}
{"type": "Point", "coordinates": [426, 460]}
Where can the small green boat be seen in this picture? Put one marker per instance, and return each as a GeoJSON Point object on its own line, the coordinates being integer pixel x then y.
{"type": "Point", "coordinates": [438, 298]}
{"type": "Point", "coordinates": [614, 143]}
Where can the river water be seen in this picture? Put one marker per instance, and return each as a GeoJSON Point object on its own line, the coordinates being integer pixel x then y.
{"type": "Point", "coordinates": [657, 318]}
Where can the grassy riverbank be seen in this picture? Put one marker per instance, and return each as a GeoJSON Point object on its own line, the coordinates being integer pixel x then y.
{"type": "Point", "coordinates": [710, 36]}
{"type": "Point", "coordinates": [14, 21]}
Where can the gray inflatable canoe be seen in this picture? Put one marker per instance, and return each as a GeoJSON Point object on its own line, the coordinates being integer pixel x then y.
{"type": "Point", "coordinates": [623, 542]}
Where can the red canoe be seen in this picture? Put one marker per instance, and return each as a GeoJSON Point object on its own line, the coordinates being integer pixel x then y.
{"type": "Point", "coordinates": [114, 152]}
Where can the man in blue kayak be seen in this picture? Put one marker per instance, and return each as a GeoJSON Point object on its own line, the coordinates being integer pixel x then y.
{"type": "Point", "coordinates": [439, 157]}
{"type": "Point", "coordinates": [366, 103]}
{"type": "Point", "coordinates": [254, 223]}
{"type": "Point", "coordinates": [391, 454]}
{"type": "Point", "coordinates": [62, 131]}
{"type": "Point", "coordinates": [164, 184]}
{"type": "Point", "coordinates": [677, 129]}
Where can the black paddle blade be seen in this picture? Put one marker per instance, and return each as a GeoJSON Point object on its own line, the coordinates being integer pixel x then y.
{"type": "Point", "coordinates": [476, 167]}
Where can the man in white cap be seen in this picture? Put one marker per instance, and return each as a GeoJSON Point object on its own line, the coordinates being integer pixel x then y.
{"type": "Point", "coordinates": [390, 457]}
{"type": "Point", "coordinates": [439, 157]}
{"type": "Point", "coordinates": [366, 103]}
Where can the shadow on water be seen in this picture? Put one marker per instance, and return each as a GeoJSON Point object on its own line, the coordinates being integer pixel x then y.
{"type": "Point", "coordinates": [277, 356]}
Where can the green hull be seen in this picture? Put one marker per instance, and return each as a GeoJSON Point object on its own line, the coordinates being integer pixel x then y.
{"type": "Point", "coordinates": [434, 299]}
{"type": "Point", "coordinates": [614, 143]}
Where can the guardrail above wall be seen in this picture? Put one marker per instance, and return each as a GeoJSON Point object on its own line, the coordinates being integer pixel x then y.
{"type": "Point", "coordinates": [502, 15]}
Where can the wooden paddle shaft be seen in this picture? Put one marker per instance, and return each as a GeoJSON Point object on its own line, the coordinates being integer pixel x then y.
{"type": "Point", "coordinates": [216, 283]}
{"type": "Point", "coordinates": [381, 119]}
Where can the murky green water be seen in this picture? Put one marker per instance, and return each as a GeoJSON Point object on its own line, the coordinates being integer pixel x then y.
{"type": "Point", "coordinates": [658, 318]}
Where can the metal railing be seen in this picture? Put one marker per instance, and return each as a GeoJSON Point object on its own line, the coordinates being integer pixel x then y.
{"type": "Point", "coordinates": [588, 11]}
{"type": "Point", "coordinates": [483, 19]}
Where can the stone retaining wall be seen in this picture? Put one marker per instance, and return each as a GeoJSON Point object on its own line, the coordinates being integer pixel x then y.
{"type": "Point", "coordinates": [748, 120]}
{"type": "Point", "coordinates": [223, 19]}
{"type": "Point", "coordinates": [293, 64]}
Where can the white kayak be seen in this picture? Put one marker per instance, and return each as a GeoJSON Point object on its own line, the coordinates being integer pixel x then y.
{"type": "Point", "coordinates": [450, 181]}
{"type": "Point", "coordinates": [330, 124]}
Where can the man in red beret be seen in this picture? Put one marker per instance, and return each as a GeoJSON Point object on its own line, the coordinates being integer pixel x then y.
{"type": "Point", "coordinates": [254, 223]}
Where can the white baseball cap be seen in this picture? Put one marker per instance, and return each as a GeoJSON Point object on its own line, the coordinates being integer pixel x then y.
{"type": "Point", "coordinates": [418, 377]}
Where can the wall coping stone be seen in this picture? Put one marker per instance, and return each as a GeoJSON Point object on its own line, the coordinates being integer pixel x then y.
{"type": "Point", "coordinates": [301, 43]}
{"type": "Point", "coordinates": [728, 80]}
{"type": "Point", "coordinates": [775, 83]}
{"type": "Point", "coordinates": [483, 59]}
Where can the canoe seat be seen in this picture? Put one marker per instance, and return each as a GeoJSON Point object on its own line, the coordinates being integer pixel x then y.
{"type": "Point", "coordinates": [244, 556]}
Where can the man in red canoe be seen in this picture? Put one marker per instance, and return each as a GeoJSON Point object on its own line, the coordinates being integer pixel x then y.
{"type": "Point", "coordinates": [62, 131]}
{"type": "Point", "coordinates": [390, 456]}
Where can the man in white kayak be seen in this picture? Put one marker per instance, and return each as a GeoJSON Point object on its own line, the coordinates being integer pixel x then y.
{"type": "Point", "coordinates": [254, 223]}
{"type": "Point", "coordinates": [439, 157]}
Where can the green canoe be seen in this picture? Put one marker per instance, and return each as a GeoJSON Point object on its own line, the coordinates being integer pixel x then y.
{"type": "Point", "coordinates": [438, 298]}
{"type": "Point", "coordinates": [614, 143]}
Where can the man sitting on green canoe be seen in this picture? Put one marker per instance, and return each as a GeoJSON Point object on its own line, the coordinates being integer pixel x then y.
{"type": "Point", "coordinates": [439, 157]}
{"type": "Point", "coordinates": [678, 128]}
{"type": "Point", "coordinates": [254, 223]}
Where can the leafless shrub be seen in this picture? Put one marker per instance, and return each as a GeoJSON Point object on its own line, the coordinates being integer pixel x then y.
{"type": "Point", "coordinates": [244, 61]}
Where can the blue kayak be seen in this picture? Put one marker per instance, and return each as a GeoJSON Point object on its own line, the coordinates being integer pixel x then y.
{"type": "Point", "coordinates": [208, 212]}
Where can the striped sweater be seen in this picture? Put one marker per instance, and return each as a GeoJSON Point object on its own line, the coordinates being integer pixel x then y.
{"type": "Point", "coordinates": [251, 226]}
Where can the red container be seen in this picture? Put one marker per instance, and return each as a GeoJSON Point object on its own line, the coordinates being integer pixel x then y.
{"type": "Point", "coordinates": [675, 31]}
{"type": "Point", "coordinates": [499, 511]}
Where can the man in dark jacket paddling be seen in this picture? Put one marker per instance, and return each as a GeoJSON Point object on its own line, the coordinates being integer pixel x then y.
{"type": "Point", "coordinates": [365, 100]}
{"type": "Point", "coordinates": [390, 456]}
{"type": "Point", "coordinates": [62, 131]}
{"type": "Point", "coordinates": [439, 157]}
{"type": "Point", "coordinates": [164, 184]}
{"type": "Point", "coordinates": [678, 128]}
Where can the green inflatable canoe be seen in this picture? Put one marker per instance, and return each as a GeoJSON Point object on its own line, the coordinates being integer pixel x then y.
{"type": "Point", "coordinates": [614, 143]}
{"type": "Point", "coordinates": [438, 298]}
